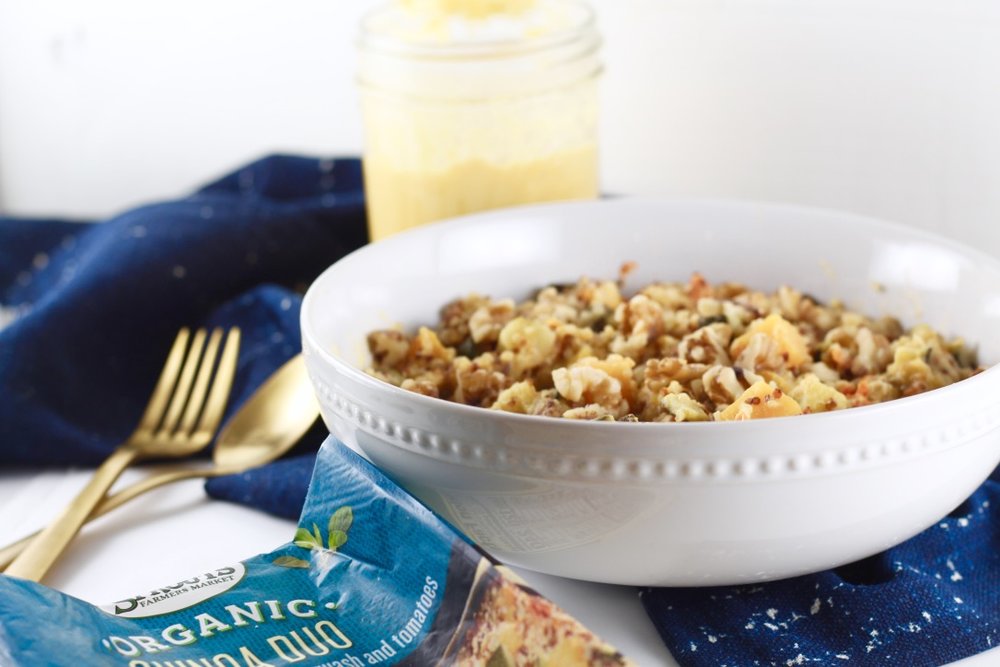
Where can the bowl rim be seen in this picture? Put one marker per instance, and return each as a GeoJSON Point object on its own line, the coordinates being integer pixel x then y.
{"type": "Point", "coordinates": [823, 420]}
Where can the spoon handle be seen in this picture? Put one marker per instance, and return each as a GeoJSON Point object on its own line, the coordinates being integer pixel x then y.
{"type": "Point", "coordinates": [11, 551]}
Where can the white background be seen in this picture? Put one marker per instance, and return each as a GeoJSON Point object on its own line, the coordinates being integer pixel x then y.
{"type": "Point", "coordinates": [885, 107]}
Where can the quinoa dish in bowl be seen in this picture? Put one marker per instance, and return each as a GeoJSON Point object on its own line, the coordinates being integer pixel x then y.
{"type": "Point", "coordinates": [670, 352]}
{"type": "Point", "coordinates": [660, 392]}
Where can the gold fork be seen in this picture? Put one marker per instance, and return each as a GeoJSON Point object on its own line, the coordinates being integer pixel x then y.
{"type": "Point", "coordinates": [267, 425]}
{"type": "Point", "coordinates": [182, 415]}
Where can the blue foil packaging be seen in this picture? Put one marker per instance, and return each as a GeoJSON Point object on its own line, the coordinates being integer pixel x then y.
{"type": "Point", "coordinates": [371, 577]}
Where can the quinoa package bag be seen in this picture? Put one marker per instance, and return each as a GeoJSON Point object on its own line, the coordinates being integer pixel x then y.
{"type": "Point", "coordinates": [372, 577]}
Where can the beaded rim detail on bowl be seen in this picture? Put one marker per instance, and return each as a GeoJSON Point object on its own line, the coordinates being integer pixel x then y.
{"type": "Point", "coordinates": [588, 468]}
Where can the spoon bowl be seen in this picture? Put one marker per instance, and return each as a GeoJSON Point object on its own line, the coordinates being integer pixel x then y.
{"type": "Point", "coordinates": [271, 421]}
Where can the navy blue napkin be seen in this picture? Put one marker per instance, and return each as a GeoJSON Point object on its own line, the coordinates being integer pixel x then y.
{"type": "Point", "coordinates": [932, 600]}
{"type": "Point", "coordinates": [88, 311]}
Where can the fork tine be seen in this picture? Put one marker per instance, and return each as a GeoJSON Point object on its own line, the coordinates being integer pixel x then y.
{"type": "Point", "coordinates": [147, 441]}
{"type": "Point", "coordinates": [183, 389]}
{"type": "Point", "coordinates": [200, 388]}
{"type": "Point", "coordinates": [219, 394]}
{"type": "Point", "coordinates": [165, 384]}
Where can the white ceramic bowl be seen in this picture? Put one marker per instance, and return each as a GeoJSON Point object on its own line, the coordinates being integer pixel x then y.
{"type": "Point", "coordinates": [667, 504]}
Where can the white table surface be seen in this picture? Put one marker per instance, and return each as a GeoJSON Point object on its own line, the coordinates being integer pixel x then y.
{"type": "Point", "coordinates": [175, 531]}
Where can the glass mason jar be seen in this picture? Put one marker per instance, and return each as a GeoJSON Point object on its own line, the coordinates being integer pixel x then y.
{"type": "Point", "coordinates": [463, 115]}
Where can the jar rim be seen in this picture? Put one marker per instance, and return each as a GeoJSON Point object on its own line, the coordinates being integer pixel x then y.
{"type": "Point", "coordinates": [486, 49]}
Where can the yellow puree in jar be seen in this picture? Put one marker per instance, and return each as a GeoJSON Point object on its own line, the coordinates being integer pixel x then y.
{"type": "Point", "coordinates": [425, 164]}
{"type": "Point", "coordinates": [400, 199]}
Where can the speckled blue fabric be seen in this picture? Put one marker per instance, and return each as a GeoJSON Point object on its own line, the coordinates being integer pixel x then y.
{"type": "Point", "coordinates": [88, 311]}
{"type": "Point", "coordinates": [278, 489]}
{"type": "Point", "coordinates": [929, 601]}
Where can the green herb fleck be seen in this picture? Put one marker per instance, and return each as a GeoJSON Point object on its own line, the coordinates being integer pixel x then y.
{"type": "Point", "coordinates": [303, 538]}
{"type": "Point", "coordinates": [318, 535]}
{"type": "Point", "coordinates": [337, 539]}
{"type": "Point", "coordinates": [340, 522]}
{"type": "Point", "coordinates": [341, 519]}
{"type": "Point", "coordinates": [291, 561]}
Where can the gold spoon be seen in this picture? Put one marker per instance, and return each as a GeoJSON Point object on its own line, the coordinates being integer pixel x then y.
{"type": "Point", "coordinates": [274, 418]}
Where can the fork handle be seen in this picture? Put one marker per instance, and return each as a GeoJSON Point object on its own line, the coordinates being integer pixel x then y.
{"type": "Point", "coordinates": [9, 552]}
{"type": "Point", "coordinates": [35, 561]}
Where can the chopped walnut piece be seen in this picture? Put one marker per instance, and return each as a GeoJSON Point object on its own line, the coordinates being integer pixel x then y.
{"type": "Point", "coordinates": [488, 320]}
{"type": "Point", "coordinates": [683, 408]}
{"type": "Point", "coordinates": [590, 412]}
{"type": "Point", "coordinates": [722, 385]}
{"type": "Point", "coordinates": [519, 397]}
{"type": "Point", "coordinates": [640, 321]}
{"type": "Point", "coordinates": [527, 343]}
{"type": "Point", "coordinates": [427, 346]}
{"type": "Point", "coordinates": [477, 382]}
{"type": "Point", "coordinates": [454, 316]}
{"type": "Point", "coordinates": [707, 345]}
{"type": "Point", "coordinates": [421, 386]}
{"type": "Point", "coordinates": [388, 347]}
{"type": "Point", "coordinates": [589, 382]}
